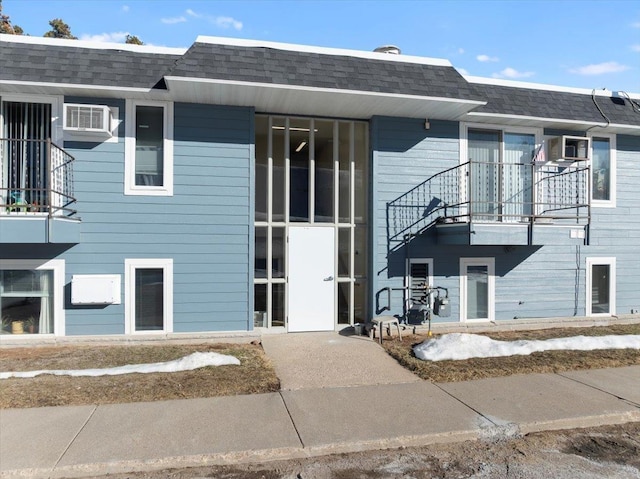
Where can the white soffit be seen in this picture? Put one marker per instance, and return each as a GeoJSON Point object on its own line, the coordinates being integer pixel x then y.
{"type": "Point", "coordinates": [555, 123]}
{"type": "Point", "coordinates": [293, 99]}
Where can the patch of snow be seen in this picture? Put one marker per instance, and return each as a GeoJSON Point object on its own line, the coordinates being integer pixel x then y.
{"type": "Point", "coordinates": [459, 346]}
{"type": "Point", "coordinates": [187, 363]}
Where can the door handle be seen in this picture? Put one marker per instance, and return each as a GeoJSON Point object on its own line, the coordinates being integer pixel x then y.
{"type": "Point", "coordinates": [328, 278]}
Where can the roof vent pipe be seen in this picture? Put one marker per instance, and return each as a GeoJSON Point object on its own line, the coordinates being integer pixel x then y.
{"type": "Point", "coordinates": [392, 49]}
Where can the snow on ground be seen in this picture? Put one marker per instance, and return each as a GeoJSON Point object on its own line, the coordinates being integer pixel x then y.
{"type": "Point", "coordinates": [187, 363]}
{"type": "Point", "coordinates": [466, 346]}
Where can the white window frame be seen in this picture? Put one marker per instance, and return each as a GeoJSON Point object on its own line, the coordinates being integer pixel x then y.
{"type": "Point", "coordinates": [130, 266]}
{"type": "Point", "coordinates": [58, 268]}
{"type": "Point", "coordinates": [130, 187]}
{"type": "Point", "coordinates": [490, 263]}
{"type": "Point", "coordinates": [464, 136]}
{"type": "Point", "coordinates": [464, 128]}
{"type": "Point", "coordinates": [611, 202]}
{"type": "Point", "coordinates": [407, 278]}
{"type": "Point", "coordinates": [608, 261]}
{"type": "Point", "coordinates": [57, 105]}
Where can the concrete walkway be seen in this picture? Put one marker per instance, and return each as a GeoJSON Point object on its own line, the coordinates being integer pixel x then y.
{"type": "Point", "coordinates": [309, 417]}
{"type": "Point", "coordinates": [324, 360]}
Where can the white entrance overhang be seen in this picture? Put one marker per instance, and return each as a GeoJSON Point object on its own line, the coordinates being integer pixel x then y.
{"type": "Point", "coordinates": [313, 101]}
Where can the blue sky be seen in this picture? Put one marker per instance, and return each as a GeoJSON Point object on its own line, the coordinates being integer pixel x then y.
{"type": "Point", "coordinates": [586, 44]}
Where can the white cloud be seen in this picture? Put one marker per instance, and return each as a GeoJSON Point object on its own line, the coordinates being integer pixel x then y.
{"type": "Point", "coordinates": [191, 13]}
{"type": "Point", "coordinates": [635, 24]}
{"type": "Point", "coordinates": [462, 71]}
{"type": "Point", "coordinates": [125, 8]}
{"type": "Point", "coordinates": [460, 51]}
{"type": "Point", "coordinates": [226, 22]}
{"type": "Point", "coordinates": [113, 37]}
{"type": "Point", "coordinates": [512, 73]}
{"type": "Point", "coordinates": [636, 47]}
{"type": "Point", "coordinates": [487, 58]}
{"type": "Point", "coordinates": [219, 21]}
{"type": "Point", "coordinates": [599, 68]}
{"type": "Point", "coordinates": [173, 20]}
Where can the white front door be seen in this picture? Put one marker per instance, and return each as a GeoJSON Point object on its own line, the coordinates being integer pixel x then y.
{"type": "Point", "coordinates": [311, 278]}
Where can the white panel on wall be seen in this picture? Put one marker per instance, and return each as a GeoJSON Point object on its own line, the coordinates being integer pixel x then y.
{"type": "Point", "coordinates": [95, 289]}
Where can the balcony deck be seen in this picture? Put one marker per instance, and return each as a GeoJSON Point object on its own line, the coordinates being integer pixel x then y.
{"type": "Point", "coordinates": [481, 203]}
{"type": "Point", "coordinates": [37, 205]}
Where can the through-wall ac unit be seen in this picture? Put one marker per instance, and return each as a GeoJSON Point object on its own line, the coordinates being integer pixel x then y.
{"type": "Point", "coordinates": [569, 148]}
{"type": "Point", "coordinates": [79, 118]}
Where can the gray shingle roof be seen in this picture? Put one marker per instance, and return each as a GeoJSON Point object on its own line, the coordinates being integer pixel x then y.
{"type": "Point", "coordinates": [321, 70]}
{"type": "Point", "coordinates": [82, 66]}
{"type": "Point", "coordinates": [65, 64]}
{"type": "Point", "coordinates": [554, 104]}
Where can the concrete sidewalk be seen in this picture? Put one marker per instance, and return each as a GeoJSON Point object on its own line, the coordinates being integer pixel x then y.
{"type": "Point", "coordinates": [307, 419]}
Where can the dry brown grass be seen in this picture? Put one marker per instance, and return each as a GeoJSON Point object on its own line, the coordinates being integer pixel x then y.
{"type": "Point", "coordinates": [254, 375]}
{"type": "Point", "coordinates": [545, 362]}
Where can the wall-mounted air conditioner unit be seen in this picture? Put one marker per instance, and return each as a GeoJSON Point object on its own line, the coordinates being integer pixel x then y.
{"type": "Point", "coordinates": [94, 119]}
{"type": "Point", "coordinates": [568, 148]}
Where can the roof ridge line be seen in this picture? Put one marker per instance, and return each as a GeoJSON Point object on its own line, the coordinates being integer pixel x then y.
{"type": "Point", "coordinates": [292, 47]}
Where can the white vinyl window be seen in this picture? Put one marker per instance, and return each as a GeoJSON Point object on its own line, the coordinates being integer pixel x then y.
{"type": "Point", "coordinates": [148, 295]}
{"type": "Point", "coordinates": [500, 185]}
{"type": "Point", "coordinates": [31, 297]}
{"type": "Point", "coordinates": [149, 148]}
{"type": "Point", "coordinates": [603, 171]}
{"type": "Point", "coordinates": [477, 289]}
{"type": "Point", "coordinates": [601, 287]}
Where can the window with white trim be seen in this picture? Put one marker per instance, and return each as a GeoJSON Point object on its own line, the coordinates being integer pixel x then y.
{"type": "Point", "coordinates": [31, 297]}
{"type": "Point", "coordinates": [500, 185]}
{"type": "Point", "coordinates": [477, 289]}
{"type": "Point", "coordinates": [601, 286]}
{"type": "Point", "coordinates": [149, 148]}
{"type": "Point", "coordinates": [603, 170]}
{"type": "Point", "coordinates": [149, 295]}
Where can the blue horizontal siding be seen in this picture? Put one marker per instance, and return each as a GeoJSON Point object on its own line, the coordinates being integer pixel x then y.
{"type": "Point", "coordinates": [206, 227]}
{"type": "Point", "coordinates": [531, 281]}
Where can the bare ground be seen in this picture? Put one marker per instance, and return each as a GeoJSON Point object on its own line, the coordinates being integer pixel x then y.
{"type": "Point", "coordinates": [611, 452]}
{"type": "Point", "coordinates": [254, 375]}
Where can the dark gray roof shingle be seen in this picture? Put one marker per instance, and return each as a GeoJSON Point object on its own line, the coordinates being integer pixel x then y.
{"type": "Point", "coordinates": [65, 64]}
{"type": "Point", "coordinates": [82, 66]}
{"type": "Point", "coordinates": [555, 104]}
{"type": "Point", "coordinates": [321, 70]}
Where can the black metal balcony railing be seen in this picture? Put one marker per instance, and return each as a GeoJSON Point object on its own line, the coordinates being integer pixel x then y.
{"type": "Point", "coordinates": [494, 192]}
{"type": "Point", "coordinates": [36, 176]}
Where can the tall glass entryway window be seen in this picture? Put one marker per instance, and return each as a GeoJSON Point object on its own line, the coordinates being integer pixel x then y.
{"type": "Point", "coordinates": [310, 172]}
